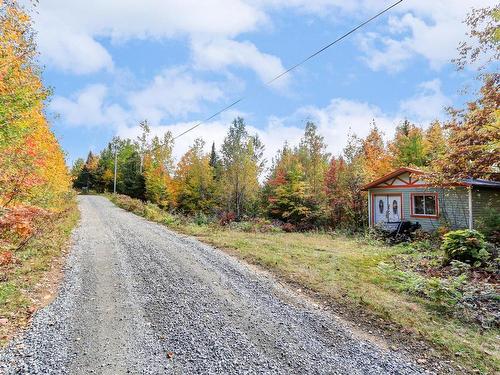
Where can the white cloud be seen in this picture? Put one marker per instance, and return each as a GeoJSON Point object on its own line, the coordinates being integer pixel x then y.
{"type": "Point", "coordinates": [174, 92]}
{"type": "Point", "coordinates": [342, 116]}
{"type": "Point", "coordinates": [87, 108]}
{"type": "Point", "coordinates": [218, 54]}
{"type": "Point", "coordinates": [334, 121]}
{"type": "Point", "coordinates": [424, 28]}
{"type": "Point", "coordinates": [428, 104]}
{"type": "Point", "coordinates": [68, 31]}
{"type": "Point", "coordinates": [73, 51]}
{"type": "Point", "coordinates": [384, 53]}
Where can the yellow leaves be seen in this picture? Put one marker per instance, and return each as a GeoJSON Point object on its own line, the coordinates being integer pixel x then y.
{"type": "Point", "coordinates": [32, 166]}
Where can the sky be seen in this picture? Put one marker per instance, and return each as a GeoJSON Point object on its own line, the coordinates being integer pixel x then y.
{"type": "Point", "coordinates": [114, 63]}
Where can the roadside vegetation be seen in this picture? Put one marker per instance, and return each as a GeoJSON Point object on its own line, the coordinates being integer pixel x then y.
{"type": "Point", "coordinates": [409, 289]}
{"type": "Point", "coordinates": [37, 205]}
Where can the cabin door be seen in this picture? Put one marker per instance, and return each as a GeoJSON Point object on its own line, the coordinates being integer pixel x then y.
{"type": "Point", "coordinates": [387, 208]}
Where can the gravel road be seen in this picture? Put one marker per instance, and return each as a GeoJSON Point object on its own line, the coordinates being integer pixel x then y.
{"type": "Point", "coordinates": [138, 298]}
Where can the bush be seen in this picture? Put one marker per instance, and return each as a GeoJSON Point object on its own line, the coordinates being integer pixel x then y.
{"type": "Point", "coordinates": [153, 212]}
{"type": "Point", "coordinates": [243, 226]}
{"type": "Point", "coordinates": [226, 218]}
{"type": "Point", "coordinates": [465, 245]}
{"type": "Point", "coordinates": [169, 219]}
{"type": "Point", "coordinates": [289, 227]}
{"type": "Point", "coordinates": [201, 219]}
{"type": "Point", "coordinates": [445, 292]}
{"type": "Point", "coordinates": [489, 224]}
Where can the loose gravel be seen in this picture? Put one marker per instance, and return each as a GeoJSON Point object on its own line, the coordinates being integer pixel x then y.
{"type": "Point", "coordinates": [138, 298]}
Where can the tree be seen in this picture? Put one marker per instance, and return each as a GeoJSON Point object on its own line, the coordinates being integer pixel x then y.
{"type": "Point", "coordinates": [435, 143]}
{"type": "Point", "coordinates": [484, 38]}
{"type": "Point", "coordinates": [314, 158]}
{"type": "Point", "coordinates": [32, 166]}
{"type": "Point", "coordinates": [194, 180]}
{"type": "Point", "coordinates": [344, 180]}
{"type": "Point", "coordinates": [215, 163]}
{"type": "Point", "coordinates": [334, 185]}
{"type": "Point", "coordinates": [242, 163]}
{"type": "Point", "coordinates": [376, 159]}
{"type": "Point", "coordinates": [287, 195]}
{"type": "Point", "coordinates": [130, 180]}
{"type": "Point", "coordinates": [408, 147]}
{"type": "Point", "coordinates": [142, 142]}
{"type": "Point", "coordinates": [474, 140]}
{"type": "Point", "coordinates": [158, 169]}
{"type": "Point", "coordinates": [77, 168]}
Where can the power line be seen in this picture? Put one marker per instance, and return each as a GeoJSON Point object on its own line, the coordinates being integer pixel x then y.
{"type": "Point", "coordinates": [295, 66]}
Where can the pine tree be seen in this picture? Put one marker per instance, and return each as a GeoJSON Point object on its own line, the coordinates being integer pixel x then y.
{"type": "Point", "coordinates": [408, 147]}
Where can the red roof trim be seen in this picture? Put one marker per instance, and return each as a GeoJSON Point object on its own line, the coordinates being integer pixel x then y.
{"type": "Point", "coordinates": [395, 173]}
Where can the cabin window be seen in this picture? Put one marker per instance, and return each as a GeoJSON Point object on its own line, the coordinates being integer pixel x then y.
{"type": "Point", "coordinates": [424, 204]}
{"type": "Point", "coordinates": [381, 206]}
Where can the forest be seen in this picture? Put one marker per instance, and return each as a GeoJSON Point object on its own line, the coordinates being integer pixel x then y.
{"type": "Point", "coordinates": [303, 185]}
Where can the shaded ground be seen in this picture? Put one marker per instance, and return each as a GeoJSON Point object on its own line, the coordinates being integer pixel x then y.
{"type": "Point", "coordinates": [138, 298]}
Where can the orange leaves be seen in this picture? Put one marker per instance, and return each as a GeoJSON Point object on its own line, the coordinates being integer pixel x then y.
{"type": "Point", "coordinates": [21, 221]}
{"type": "Point", "coordinates": [474, 136]}
{"type": "Point", "coordinates": [6, 258]}
{"type": "Point", "coordinates": [32, 166]}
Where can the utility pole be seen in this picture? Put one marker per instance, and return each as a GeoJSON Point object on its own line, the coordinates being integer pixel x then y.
{"type": "Point", "coordinates": [114, 182]}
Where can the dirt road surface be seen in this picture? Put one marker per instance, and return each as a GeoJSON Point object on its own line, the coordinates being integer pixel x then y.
{"type": "Point", "coordinates": [140, 299]}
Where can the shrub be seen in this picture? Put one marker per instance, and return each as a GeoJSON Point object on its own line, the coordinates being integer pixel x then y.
{"type": "Point", "coordinates": [459, 268]}
{"type": "Point", "coordinates": [465, 245]}
{"type": "Point", "coordinates": [129, 204]}
{"type": "Point", "coordinates": [5, 258]}
{"type": "Point", "coordinates": [243, 226]}
{"type": "Point", "coordinates": [289, 227]}
{"type": "Point", "coordinates": [201, 219]}
{"type": "Point", "coordinates": [153, 212]}
{"type": "Point", "coordinates": [169, 219]}
{"type": "Point", "coordinates": [445, 292]}
{"type": "Point", "coordinates": [489, 224]}
{"type": "Point", "coordinates": [226, 218]}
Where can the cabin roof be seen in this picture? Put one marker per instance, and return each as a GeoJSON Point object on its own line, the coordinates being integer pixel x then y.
{"type": "Point", "coordinates": [481, 182]}
{"type": "Point", "coordinates": [388, 176]}
{"type": "Point", "coordinates": [464, 182]}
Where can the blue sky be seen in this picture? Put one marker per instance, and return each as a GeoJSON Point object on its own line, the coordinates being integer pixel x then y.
{"type": "Point", "coordinates": [114, 63]}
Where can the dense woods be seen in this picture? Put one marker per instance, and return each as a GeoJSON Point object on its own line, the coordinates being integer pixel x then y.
{"type": "Point", "coordinates": [34, 180]}
{"type": "Point", "coordinates": [303, 185]}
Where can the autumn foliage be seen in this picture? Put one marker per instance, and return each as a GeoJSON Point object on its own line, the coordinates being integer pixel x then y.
{"type": "Point", "coordinates": [34, 180]}
{"type": "Point", "coordinates": [305, 186]}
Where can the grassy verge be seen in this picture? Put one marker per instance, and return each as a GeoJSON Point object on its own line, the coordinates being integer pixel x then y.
{"type": "Point", "coordinates": [30, 281]}
{"type": "Point", "coordinates": [353, 274]}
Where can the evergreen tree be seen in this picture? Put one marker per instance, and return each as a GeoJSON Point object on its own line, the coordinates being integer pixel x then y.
{"type": "Point", "coordinates": [408, 147]}
{"type": "Point", "coordinates": [215, 163]}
